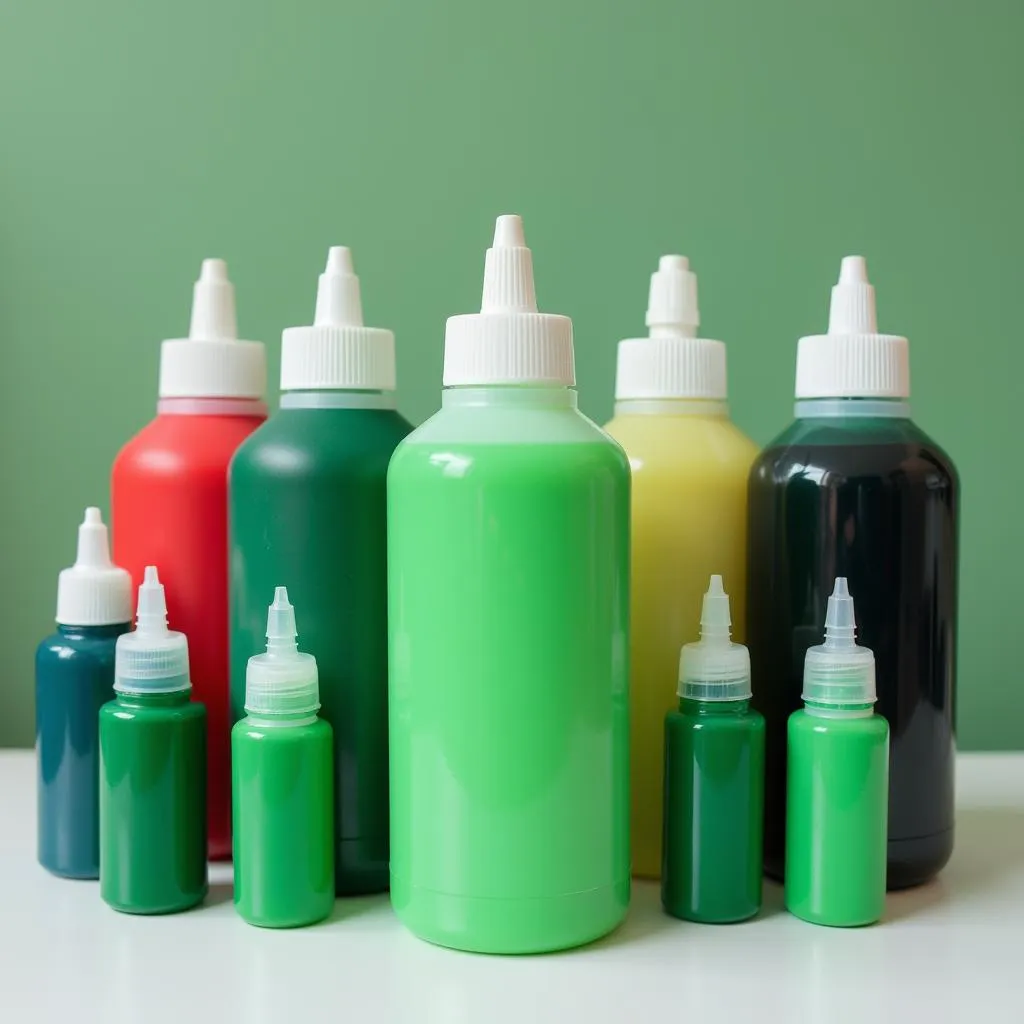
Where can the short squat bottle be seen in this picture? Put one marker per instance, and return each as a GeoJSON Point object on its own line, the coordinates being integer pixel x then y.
{"type": "Point", "coordinates": [714, 779]}
{"type": "Point", "coordinates": [282, 792]}
{"type": "Point", "coordinates": [838, 781]}
{"type": "Point", "coordinates": [74, 679]}
{"type": "Point", "coordinates": [508, 571]}
{"type": "Point", "coordinates": [152, 770]}
{"type": "Point", "coordinates": [855, 488]}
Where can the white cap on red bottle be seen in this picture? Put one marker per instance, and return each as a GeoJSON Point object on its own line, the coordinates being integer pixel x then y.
{"type": "Point", "coordinates": [338, 353]}
{"type": "Point", "coordinates": [94, 591]}
{"type": "Point", "coordinates": [509, 341]}
{"type": "Point", "coordinates": [853, 360]}
{"type": "Point", "coordinates": [211, 362]}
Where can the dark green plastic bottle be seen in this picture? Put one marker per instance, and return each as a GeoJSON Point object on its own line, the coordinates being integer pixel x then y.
{"type": "Point", "coordinates": [152, 770]}
{"type": "Point", "coordinates": [714, 779]}
{"type": "Point", "coordinates": [307, 510]}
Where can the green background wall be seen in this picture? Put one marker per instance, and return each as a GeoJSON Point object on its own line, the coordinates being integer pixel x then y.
{"type": "Point", "coordinates": [764, 140]}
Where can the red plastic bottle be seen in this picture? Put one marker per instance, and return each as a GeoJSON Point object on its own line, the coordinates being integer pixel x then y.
{"type": "Point", "coordinates": [169, 503]}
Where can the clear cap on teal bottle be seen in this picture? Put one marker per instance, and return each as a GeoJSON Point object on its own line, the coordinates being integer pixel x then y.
{"type": "Point", "coordinates": [283, 681]}
{"type": "Point", "coordinates": [839, 671]}
{"type": "Point", "coordinates": [152, 658]}
{"type": "Point", "coordinates": [715, 668]}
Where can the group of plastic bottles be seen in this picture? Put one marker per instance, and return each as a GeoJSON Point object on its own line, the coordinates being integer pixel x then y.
{"type": "Point", "coordinates": [495, 602]}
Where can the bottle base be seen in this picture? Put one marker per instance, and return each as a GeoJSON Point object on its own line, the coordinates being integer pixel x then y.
{"type": "Point", "coordinates": [360, 868]}
{"type": "Point", "coordinates": [510, 926]}
{"type": "Point", "coordinates": [733, 917]}
{"type": "Point", "coordinates": [74, 874]}
{"type": "Point", "coordinates": [157, 909]}
{"type": "Point", "coordinates": [860, 921]}
{"type": "Point", "coordinates": [285, 922]}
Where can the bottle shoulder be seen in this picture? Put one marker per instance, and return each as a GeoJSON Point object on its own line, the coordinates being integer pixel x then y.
{"type": "Point", "coordinates": [317, 732]}
{"type": "Point", "coordinates": [76, 650]}
{"type": "Point", "coordinates": [871, 726]}
{"type": "Point", "coordinates": [749, 720]}
{"type": "Point", "coordinates": [190, 712]}
{"type": "Point", "coordinates": [170, 445]}
{"type": "Point", "coordinates": [677, 445]}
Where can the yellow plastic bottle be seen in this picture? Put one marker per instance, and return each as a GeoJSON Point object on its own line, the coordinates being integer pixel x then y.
{"type": "Point", "coordinates": [690, 466]}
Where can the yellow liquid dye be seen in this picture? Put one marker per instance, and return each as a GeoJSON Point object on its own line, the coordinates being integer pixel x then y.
{"type": "Point", "coordinates": [689, 512]}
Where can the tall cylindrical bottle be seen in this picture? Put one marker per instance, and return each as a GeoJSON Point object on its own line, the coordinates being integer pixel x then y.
{"type": "Point", "coordinates": [714, 778]}
{"type": "Point", "coordinates": [169, 491]}
{"type": "Point", "coordinates": [308, 507]}
{"type": "Point", "coordinates": [282, 776]}
{"type": "Point", "coordinates": [74, 679]}
{"type": "Point", "coordinates": [508, 563]}
{"type": "Point", "coordinates": [854, 488]}
{"type": "Point", "coordinates": [152, 770]}
{"type": "Point", "coordinates": [838, 782]}
{"type": "Point", "coordinates": [690, 466]}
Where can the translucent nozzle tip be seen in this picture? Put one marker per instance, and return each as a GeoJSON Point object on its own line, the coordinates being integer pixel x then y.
{"type": "Point", "coordinates": [672, 310]}
{"type": "Point", "coordinates": [715, 618]}
{"type": "Point", "coordinates": [840, 623]}
{"type": "Point", "coordinates": [93, 543]}
{"type": "Point", "coordinates": [152, 610]}
{"type": "Point", "coordinates": [508, 270]}
{"type": "Point", "coordinates": [281, 631]}
{"type": "Point", "coordinates": [673, 263]}
{"type": "Point", "coordinates": [338, 298]}
{"type": "Point", "coordinates": [852, 310]}
{"type": "Point", "coordinates": [213, 304]}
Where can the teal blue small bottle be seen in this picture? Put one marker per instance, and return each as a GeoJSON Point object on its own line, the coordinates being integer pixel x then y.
{"type": "Point", "coordinates": [74, 678]}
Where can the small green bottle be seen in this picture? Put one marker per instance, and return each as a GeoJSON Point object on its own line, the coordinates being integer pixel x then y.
{"type": "Point", "coordinates": [283, 785]}
{"type": "Point", "coordinates": [837, 781]}
{"type": "Point", "coordinates": [152, 770]}
{"type": "Point", "coordinates": [714, 779]}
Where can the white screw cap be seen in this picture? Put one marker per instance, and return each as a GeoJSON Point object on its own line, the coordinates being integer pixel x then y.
{"type": "Point", "coordinates": [853, 360]}
{"type": "Point", "coordinates": [508, 341]}
{"type": "Point", "coordinates": [338, 353]}
{"type": "Point", "coordinates": [673, 362]}
{"type": "Point", "coordinates": [153, 658]}
{"type": "Point", "coordinates": [283, 681]}
{"type": "Point", "coordinates": [211, 362]}
{"type": "Point", "coordinates": [94, 591]}
{"type": "Point", "coordinates": [839, 671]}
{"type": "Point", "coordinates": [714, 668]}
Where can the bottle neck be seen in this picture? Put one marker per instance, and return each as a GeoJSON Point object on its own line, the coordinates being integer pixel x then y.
{"type": "Point", "coordinates": [154, 700]}
{"type": "Point", "coordinates": [338, 400]}
{"type": "Point", "coordinates": [842, 408]}
{"type": "Point", "coordinates": [819, 709]}
{"type": "Point", "coordinates": [265, 720]}
{"type": "Point", "coordinates": [211, 407]}
{"type": "Point", "coordinates": [711, 408]}
{"type": "Point", "coordinates": [110, 632]}
{"type": "Point", "coordinates": [516, 396]}
{"type": "Point", "coordinates": [691, 706]}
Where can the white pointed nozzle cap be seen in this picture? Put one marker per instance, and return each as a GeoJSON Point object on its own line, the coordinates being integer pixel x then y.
{"type": "Point", "coordinates": [714, 668]}
{"type": "Point", "coordinates": [839, 672]}
{"type": "Point", "coordinates": [853, 360]}
{"type": "Point", "coordinates": [153, 658]}
{"type": "Point", "coordinates": [211, 362]}
{"type": "Point", "coordinates": [508, 341]}
{"type": "Point", "coordinates": [672, 363]}
{"type": "Point", "coordinates": [282, 683]}
{"type": "Point", "coordinates": [337, 352]}
{"type": "Point", "coordinates": [94, 591]}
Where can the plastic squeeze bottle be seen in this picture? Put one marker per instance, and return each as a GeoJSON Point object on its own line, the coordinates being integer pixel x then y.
{"type": "Point", "coordinates": [508, 564]}
{"type": "Point", "coordinates": [308, 505]}
{"type": "Point", "coordinates": [690, 466]}
{"type": "Point", "coordinates": [152, 770]}
{"type": "Point", "coordinates": [169, 491]}
{"type": "Point", "coordinates": [74, 679]}
{"type": "Point", "coordinates": [838, 781]}
{"type": "Point", "coordinates": [714, 778]}
{"type": "Point", "coordinates": [854, 488]}
{"type": "Point", "coordinates": [282, 773]}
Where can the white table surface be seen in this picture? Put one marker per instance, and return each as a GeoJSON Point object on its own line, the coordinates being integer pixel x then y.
{"type": "Point", "coordinates": [950, 951]}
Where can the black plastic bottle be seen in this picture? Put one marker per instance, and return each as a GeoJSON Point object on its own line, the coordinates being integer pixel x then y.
{"type": "Point", "coordinates": [854, 488]}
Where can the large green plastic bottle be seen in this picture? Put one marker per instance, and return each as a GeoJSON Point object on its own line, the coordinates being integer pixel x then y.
{"type": "Point", "coordinates": [508, 564]}
{"type": "Point", "coordinates": [308, 510]}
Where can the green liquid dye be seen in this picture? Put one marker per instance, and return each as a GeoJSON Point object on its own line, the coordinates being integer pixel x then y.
{"type": "Point", "coordinates": [282, 798]}
{"type": "Point", "coordinates": [509, 576]}
{"type": "Point", "coordinates": [714, 808]}
{"type": "Point", "coordinates": [153, 803]}
{"type": "Point", "coordinates": [836, 812]}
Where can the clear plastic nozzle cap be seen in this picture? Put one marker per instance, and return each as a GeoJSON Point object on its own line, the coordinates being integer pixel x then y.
{"type": "Point", "coordinates": [714, 668]}
{"type": "Point", "coordinates": [839, 671]}
{"type": "Point", "coordinates": [153, 658]}
{"type": "Point", "coordinates": [283, 681]}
